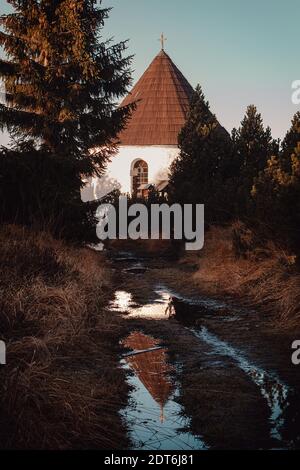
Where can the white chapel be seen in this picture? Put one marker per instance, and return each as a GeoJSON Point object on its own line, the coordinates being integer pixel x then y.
{"type": "Point", "coordinates": [148, 145]}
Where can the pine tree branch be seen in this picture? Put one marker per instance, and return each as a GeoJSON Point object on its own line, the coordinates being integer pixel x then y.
{"type": "Point", "coordinates": [11, 119]}
{"type": "Point", "coordinates": [22, 101]}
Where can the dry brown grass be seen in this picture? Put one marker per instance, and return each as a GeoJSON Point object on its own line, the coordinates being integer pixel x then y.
{"type": "Point", "coordinates": [265, 277]}
{"type": "Point", "coordinates": [62, 386]}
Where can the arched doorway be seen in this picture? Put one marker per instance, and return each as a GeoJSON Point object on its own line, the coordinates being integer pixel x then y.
{"type": "Point", "coordinates": [139, 175]}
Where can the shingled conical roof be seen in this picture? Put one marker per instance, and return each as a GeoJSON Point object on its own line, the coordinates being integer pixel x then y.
{"type": "Point", "coordinates": [162, 95]}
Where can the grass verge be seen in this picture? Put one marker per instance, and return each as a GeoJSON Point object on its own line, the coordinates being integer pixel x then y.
{"type": "Point", "coordinates": [266, 277]}
{"type": "Point", "coordinates": [62, 386]}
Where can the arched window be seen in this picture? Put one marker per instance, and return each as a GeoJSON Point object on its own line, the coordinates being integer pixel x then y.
{"type": "Point", "coordinates": [139, 175]}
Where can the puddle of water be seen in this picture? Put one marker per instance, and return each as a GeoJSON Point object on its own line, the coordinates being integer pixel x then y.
{"type": "Point", "coordinates": [157, 309]}
{"type": "Point", "coordinates": [125, 257]}
{"type": "Point", "coordinates": [209, 304]}
{"type": "Point", "coordinates": [271, 387]}
{"type": "Point", "coordinates": [136, 268]}
{"type": "Point", "coordinates": [155, 420]}
{"type": "Point", "coordinates": [167, 304]}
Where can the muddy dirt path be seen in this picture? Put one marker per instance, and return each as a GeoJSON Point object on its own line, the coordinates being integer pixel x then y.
{"type": "Point", "coordinates": [204, 373]}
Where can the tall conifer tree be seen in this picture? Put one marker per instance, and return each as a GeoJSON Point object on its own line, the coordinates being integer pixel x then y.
{"type": "Point", "coordinates": [253, 146]}
{"type": "Point", "coordinates": [276, 191]}
{"type": "Point", "coordinates": [200, 173]}
{"type": "Point", "coordinates": [62, 82]}
{"type": "Point", "coordinates": [290, 142]}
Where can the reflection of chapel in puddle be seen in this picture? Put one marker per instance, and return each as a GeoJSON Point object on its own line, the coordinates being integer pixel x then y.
{"type": "Point", "coordinates": [151, 368]}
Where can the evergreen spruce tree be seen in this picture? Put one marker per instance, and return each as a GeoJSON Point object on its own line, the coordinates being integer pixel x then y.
{"type": "Point", "coordinates": [253, 146]}
{"type": "Point", "coordinates": [290, 142]}
{"type": "Point", "coordinates": [202, 170]}
{"type": "Point", "coordinates": [62, 83]}
{"type": "Point", "coordinates": [276, 191]}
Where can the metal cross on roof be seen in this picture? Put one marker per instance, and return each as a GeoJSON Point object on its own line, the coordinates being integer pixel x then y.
{"type": "Point", "coordinates": [162, 41]}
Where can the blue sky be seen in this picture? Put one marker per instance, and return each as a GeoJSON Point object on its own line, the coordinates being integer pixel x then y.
{"type": "Point", "coordinates": [240, 51]}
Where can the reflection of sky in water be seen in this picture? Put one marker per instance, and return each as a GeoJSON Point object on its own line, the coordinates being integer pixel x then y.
{"type": "Point", "coordinates": [158, 309]}
{"type": "Point", "coordinates": [122, 301]}
{"type": "Point", "coordinates": [144, 419]}
{"type": "Point", "coordinates": [272, 389]}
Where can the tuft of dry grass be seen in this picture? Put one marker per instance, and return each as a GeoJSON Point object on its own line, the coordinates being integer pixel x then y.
{"type": "Point", "coordinates": [264, 276]}
{"type": "Point", "coordinates": [62, 386]}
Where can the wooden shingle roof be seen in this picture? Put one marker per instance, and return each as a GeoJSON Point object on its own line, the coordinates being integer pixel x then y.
{"type": "Point", "coordinates": [162, 95]}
